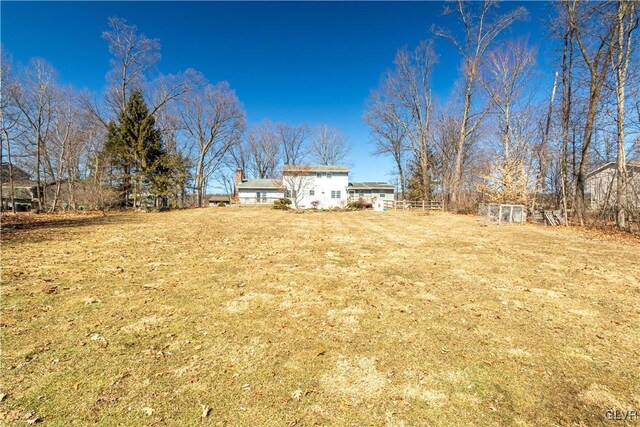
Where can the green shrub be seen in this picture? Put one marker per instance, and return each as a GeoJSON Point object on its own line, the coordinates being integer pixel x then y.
{"type": "Point", "coordinates": [282, 204]}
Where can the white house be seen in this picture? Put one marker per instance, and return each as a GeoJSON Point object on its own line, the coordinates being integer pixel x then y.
{"type": "Point", "coordinates": [307, 186]}
{"type": "Point", "coordinates": [322, 186]}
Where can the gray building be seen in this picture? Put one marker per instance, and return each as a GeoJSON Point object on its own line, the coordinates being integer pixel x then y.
{"type": "Point", "coordinates": [601, 185]}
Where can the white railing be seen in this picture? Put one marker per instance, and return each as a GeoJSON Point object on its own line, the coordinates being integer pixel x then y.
{"type": "Point", "coordinates": [257, 201]}
{"type": "Point", "coordinates": [425, 205]}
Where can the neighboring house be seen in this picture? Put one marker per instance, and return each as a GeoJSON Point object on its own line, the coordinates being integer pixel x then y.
{"type": "Point", "coordinates": [216, 199]}
{"type": "Point", "coordinates": [601, 185]}
{"type": "Point", "coordinates": [259, 191]}
{"type": "Point", "coordinates": [370, 191]}
{"type": "Point", "coordinates": [307, 186]}
{"type": "Point", "coordinates": [322, 186]}
{"type": "Point", "coordinates": [24, 189]}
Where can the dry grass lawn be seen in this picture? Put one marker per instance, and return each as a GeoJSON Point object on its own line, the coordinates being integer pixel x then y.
{"type": "Point", "coordinates": [260, 317]}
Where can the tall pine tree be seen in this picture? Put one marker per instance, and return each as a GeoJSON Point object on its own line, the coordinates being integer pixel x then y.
{"type": "Point", "coordinates": [138, 158]}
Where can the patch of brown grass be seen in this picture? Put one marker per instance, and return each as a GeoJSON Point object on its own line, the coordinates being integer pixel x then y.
{"type": "Point", "coordinates": [270, 318]}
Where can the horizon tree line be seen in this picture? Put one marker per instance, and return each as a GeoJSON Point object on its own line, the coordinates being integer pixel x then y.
{"type": "Point", "coordinates": [505, 133]}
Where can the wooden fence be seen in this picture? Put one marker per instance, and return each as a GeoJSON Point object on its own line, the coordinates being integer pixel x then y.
{"type": "Point", "coordinates": [425, 205]}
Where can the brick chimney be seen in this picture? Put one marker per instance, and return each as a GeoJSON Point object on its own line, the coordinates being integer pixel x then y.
{"type": "Point", "coordinates": [238, 182]}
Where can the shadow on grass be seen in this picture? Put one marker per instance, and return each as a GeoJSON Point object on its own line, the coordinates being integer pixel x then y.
{"type": "Point", "coordinates": [31, 224]}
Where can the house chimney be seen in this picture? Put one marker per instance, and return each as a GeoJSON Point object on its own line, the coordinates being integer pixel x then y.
{"type": "Point", "coordinates": [238, 182]}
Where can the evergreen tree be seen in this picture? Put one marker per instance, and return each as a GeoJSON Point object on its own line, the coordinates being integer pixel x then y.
{"type": "Point", "coordinates": [137, 154]}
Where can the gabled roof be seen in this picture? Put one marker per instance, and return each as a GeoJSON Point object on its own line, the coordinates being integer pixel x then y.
{"type": "Point", "coordinates": [220, 197]}
{"type": "Point", "coordinates": [315, 168]}
{"type": "Point", "coordinates": [370, 185]}
{"type": "Point", "coordinates": [630, 165]}
{"type": "Point", "coordinates": [20, 177]}
{"type": "Point", "coordinates": [260, 184]}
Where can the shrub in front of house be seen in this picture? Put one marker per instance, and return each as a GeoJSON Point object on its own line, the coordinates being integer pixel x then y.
{"type": "Point", "coordinates": [222, 205]}
{"type": "Point", "coordinates": [359, 204]}
{"type": "Point", "coordinates": [282, 204]}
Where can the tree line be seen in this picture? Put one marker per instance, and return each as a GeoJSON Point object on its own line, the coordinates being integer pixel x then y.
{"type": "Point", "coordinates": [149, 140]}
{"type": "Point", "coordinates": [507, 132]}
{"type": "Point", "coordinates": [503, 135]}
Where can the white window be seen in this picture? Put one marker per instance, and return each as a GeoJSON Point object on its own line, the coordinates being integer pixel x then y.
{"type": "Point", "coordinates": [312, 192]}
{"type": "Point", "coordinates": [318, 175]}
{"type": "Point", "coordinates": [329, 174]}
{"type": "Point", "coordinates": [335, 194]}
{"type": "Point", "coordinates": [381, 194]}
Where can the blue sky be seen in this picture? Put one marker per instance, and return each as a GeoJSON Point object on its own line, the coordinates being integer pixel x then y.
{"type": "Point", "coordinates": [306, 62]}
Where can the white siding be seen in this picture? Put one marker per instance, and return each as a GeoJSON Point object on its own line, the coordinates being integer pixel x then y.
{"type": "Point", "coordinates": [250, 196]}
{"type": "Point", "coordinates": [322, 188]}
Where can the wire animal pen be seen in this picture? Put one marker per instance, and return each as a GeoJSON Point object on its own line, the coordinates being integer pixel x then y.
{"type": "Point", "coordinates": [503, 214]}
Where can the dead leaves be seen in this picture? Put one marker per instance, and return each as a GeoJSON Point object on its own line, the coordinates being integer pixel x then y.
{"type": "Point", "coordinates": [205, 411]}
{"type": "Point", "coordinates": [100, 340]}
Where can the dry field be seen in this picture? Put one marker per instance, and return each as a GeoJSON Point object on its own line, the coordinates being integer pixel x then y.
{"type": "Point", "coordinates": [260, 317]}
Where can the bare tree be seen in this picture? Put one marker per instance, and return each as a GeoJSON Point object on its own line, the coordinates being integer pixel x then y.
{"type": "Point", "coordinates": [404, 101]}
{"type": "Point", "coordinates": [66, 144]}
{"type": "Point", "coordinates": [263, 150]}
{"type": "Point", "coordinates": [445, 143]}
{"type": "Point", "coordinates": [133, 54]}
{"type": "Point", "coordinates": [36, 98]}
{"type": "Point", "coordinates": [328, 146]}
{"type": "Point", "coordinates": [388, 134]}
{"type": "Point", "coordinates": [292, 138]}
{"type": "Point", "coordinates": [507, 76]}
{"type": "Point", "coordinates": [595, 34]}
{"type": "Point", "coordinates": [480, 32]}
{"type": "Point", "coordinates": [626, 23]}
{"type": "Point", "coordinates": [214, 119]}
{"type": "Point", "coordinates": [567, 34]}
{"type": "Point", "coordinates": [9, 116]}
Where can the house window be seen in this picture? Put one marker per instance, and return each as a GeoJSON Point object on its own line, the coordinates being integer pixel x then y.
{"type": "Point", "coordinates": [381, 194]}
{"type": "Point", "coordinates": [318, 175]}
{"type": "Point", "coordinates": [312, 192]}
{"type": "Point", "coordinates": [335, 194]}
{"type": "Point", "coordinates": [361, 194]}
{"type": "Point", "coordinates": [329, 174]}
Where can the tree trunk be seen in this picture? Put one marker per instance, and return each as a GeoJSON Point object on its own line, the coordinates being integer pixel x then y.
{"type": "Point", "coordinates": [621, 66]}
{"type": "Point", "coordinates": [457, 171]}
{"type": "Point", "coordinates": [567, 78]}
{"type": "Point", "coordinates": [38, 179]}
{"type": "Point", "coordinates": [594, 98]}
{"type": "Point", "coordinates": [542, 156]}
{"type": "Point", "coordinates": [401, 176]}
{"type": "Point", "coordinates": [199, 182]}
